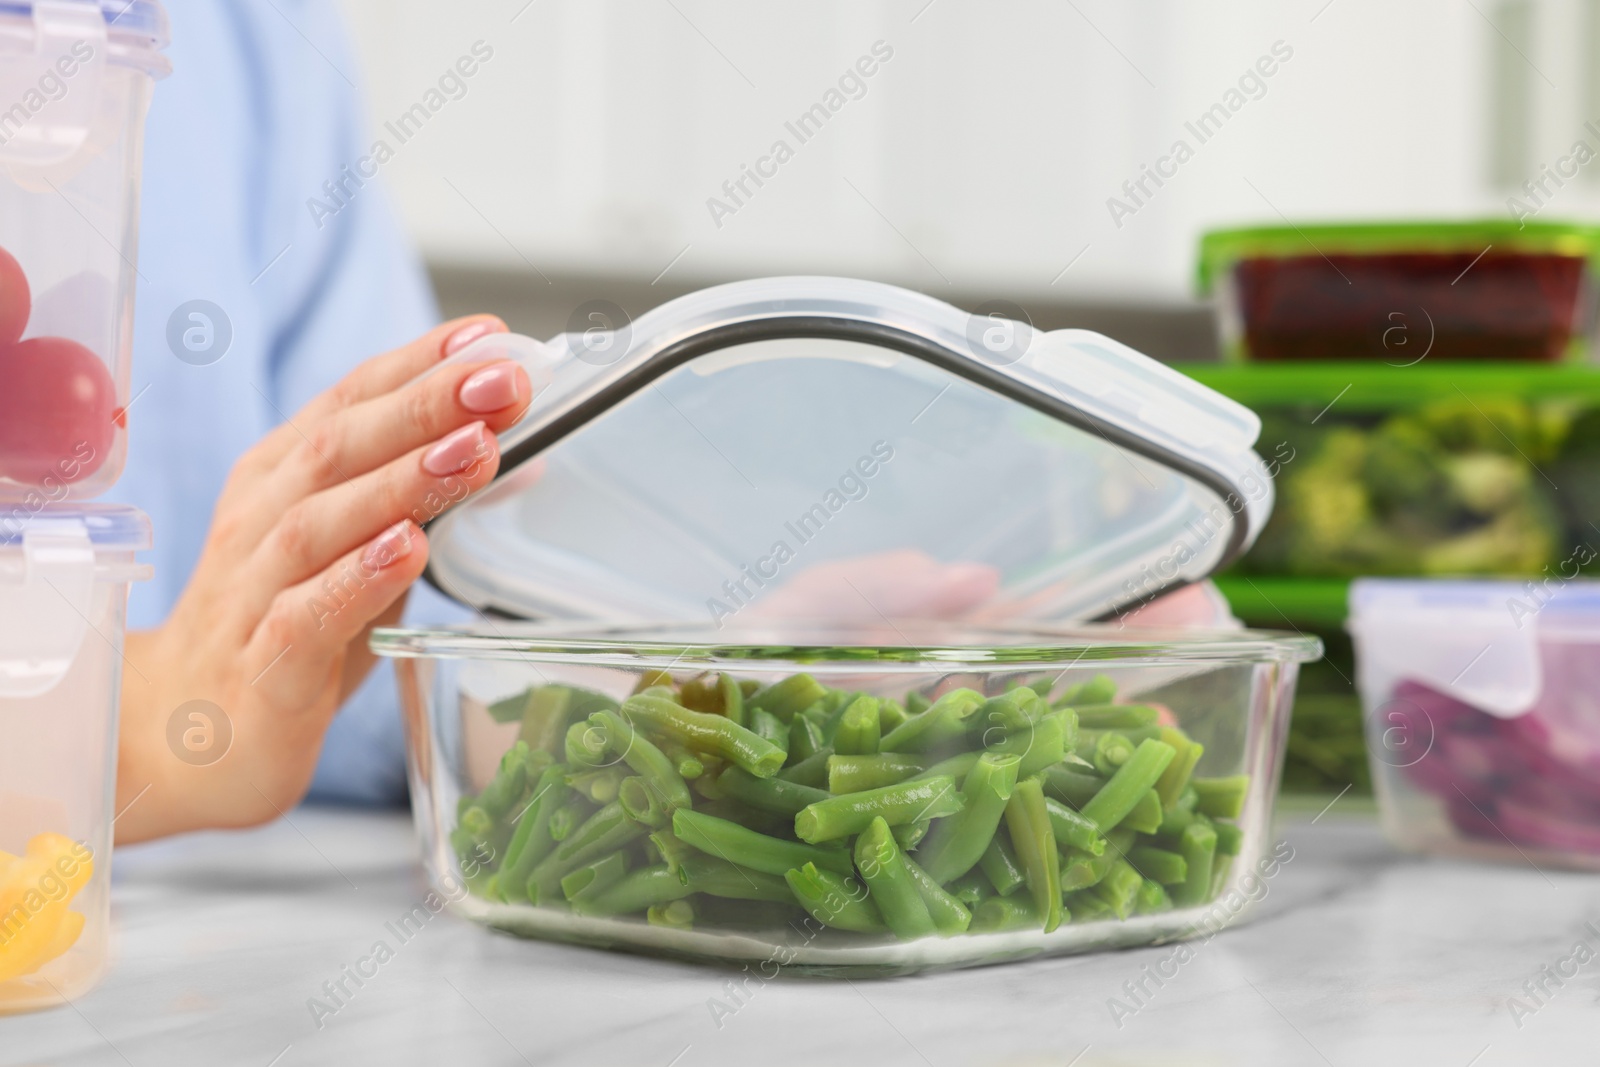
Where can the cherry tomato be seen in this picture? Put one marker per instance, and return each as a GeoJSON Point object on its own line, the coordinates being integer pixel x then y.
{"type": "Point", "coordinates": [15, 300]}
{"type": "Point", "coordinates": [56, 411]}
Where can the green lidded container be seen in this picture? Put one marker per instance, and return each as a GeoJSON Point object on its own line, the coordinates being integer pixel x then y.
{"type": "Point", "coordinates": [1400, 292]}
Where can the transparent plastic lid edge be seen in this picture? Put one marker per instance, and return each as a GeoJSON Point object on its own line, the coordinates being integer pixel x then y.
{"type": "Point", "coordinates": [1077, 377]}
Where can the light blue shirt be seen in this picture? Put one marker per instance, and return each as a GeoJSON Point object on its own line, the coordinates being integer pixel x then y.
{"type": "Point", "coordinates": [249, 126]}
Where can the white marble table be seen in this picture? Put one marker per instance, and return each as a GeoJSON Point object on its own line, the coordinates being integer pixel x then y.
{"type": "Point", "coordinates": [1356, 956]}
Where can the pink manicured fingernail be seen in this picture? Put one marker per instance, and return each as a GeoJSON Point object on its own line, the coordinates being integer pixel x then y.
{"type": "Point", "coordinates": [495, 387]}
{"type": "Point", "coordinates": [391, 545]}
{"type": "Point", "coordinates": [470, 333]}
{"type": "Point", "coordinates": [457, 452]}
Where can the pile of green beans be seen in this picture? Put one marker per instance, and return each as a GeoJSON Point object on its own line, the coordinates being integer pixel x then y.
{"type": "Point", "coordinates": [715, 803]}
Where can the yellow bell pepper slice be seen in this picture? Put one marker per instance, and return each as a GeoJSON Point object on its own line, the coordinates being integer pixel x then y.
{"type": "Point", "coordinates": [35, 892]}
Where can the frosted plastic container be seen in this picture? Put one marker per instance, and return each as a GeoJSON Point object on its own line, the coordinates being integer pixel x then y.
{"type": "Point", "coordinates": [75, 80]}
{"type": "Point", "coordinates": [1483, 720]}
{"type": "Point", "coordinates": [64, 576]}
{"type": "Point", "coordinates": [473, 696]}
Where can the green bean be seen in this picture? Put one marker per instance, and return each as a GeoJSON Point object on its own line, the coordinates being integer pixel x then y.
{"type": "Point", "coordinates": [908, 835]}
{"type": "Point", "coordinates": [833, 901]}
{"type": "Point", "coordinates": [1169, 868]}
{"type": "Point", "coordinates": [1118, 796]}
{"type": "Point", "coordinates": [891, 713]}
{"type": "Point", "coordinates": [584, 748]}
{"type": "Point", "coordinates": [732, 699]}
{"type": "Point", "coordinates": [883, 869]}
{"type": "Point", "coordinates": [1175, 822]}
{"type": "Point", "coordinates": [641, 804]}
{"type": "Point", "coordinates": [1120, 887]}
{"type": "Point", "coordinates": [736, 844]}
{"type": "Point", "coordinates": [598, 786]}
{"type": "Point", "coordinates": [605, 831]}
{"type": "Point", "coordinates": [1229, 838]}
{"type": "Point", "coordinates": [717, 877]}
{"type": "Point", "coordinates": [789, 697]}
{"type": "Point", "coordinates": [852, 774]}
{"type": "Point", "coordinates": [1083, 870]}
{"type": "Point", "coordinates": [769, 794]}
{"type": "Point", "coordinates": [1221, 798]}
{"type": "Point", "coordinates": [1116, 716]}
{"type": "Point", "coordinates": [970, 888]}
{"type": "Point", "coordinates": [765, 725]}
{"type": "Point", "coordinates": [999, 865]}
{"type": "Point", "coordinates": [709, 733]}
{"type": "Point", "coordinates": [916, 703]}
{"type": "Point", "coordinates": [956, 843]}
{"type": "Point", "coordinates": [671, 850]}
{"type": "Point", "coordinates": [592, 878]}
{"type": "Point", "coordinates": [1108, 750]}
{"type": "Point", "coordinates": [943, 721]}
{"type": "Point", "coordinates": [841, 816]}
{"type": "Point", "coordinates": [569, 816]}
{"type": "Point", "coordinates": [1014, 710]}
{"type": "Point", "coordinates": [675, 915]}
{"type": "Point", "coordinates": [622, 741]}
{"type": "Point", "coordinates": [1040, 745]}
{"type": "Point", "coordinates": [995, 915]}
{"type": "Point", "coordinates": [1086, 906]}
{"type": "Point", "coordinates": [509, 782]}
{"type": "Point", "coordinates": [957, 766]}
{"type": "Point", "coordinates": [858, 732]}
{"type": "Point", "coordinates": [749, 687]}
{"type": "Point", "coordinates": [811, 771]}
{"type": "Point", "coordinates": [1151, 898]}
{"type": "Point", "coordinates": [1073, 830]}
{"type": "Point", "coordinates": [1198, 846]}
{"type": "Point", "coordinates": [1175, 779]}
{"type": "Point", "coordinates": [1145, 818]}
{"type": "Point", "coordinates": [805, 738]}
{"type": "Point", "coordinates": [1097, 690]}
{"type": "Point", "coordinates": [532, 841]}
{"type": "Point", "coordinates": [476, 824]}
{"type": "Point", "coordinates": [637, 891]}
{"type": "Point", "coordinates": [949, 915]}
{"type": "Point", "coordinates": [762, 822]}
{"type": "Point", "coordinates": [1073, 788]}
{"type": "Point", "coordinates": [1028, 824]}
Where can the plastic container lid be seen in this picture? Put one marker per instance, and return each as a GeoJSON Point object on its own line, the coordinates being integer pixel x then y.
{"type": "Point", "coordinates": [132, 27]}
{"type": "Point", "coordinates": [51, 561]}
{"type": "Point", "coordinates": [1476, 641]}
{"type": "Point", "coordinates": [830, 448]}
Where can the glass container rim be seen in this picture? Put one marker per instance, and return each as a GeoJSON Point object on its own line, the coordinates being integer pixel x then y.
{"type": "Point", "coordinates": [648, 646]}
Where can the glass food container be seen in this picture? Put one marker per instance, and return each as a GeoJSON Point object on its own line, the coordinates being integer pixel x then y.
{"type": "Point", "coordinates": [75, 81]}
{"type": "Point", "coordinates": [64, 578]}
{"type": "Point", "coordinates": [1482, 719]}
{"type": "Point", "coordinates": [799, 693]}
{"type": "Point", "coordinates": [1394, 292]}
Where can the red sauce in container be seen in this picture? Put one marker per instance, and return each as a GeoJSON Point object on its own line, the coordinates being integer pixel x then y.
{"type": "Point", "coordinates": [1504, 306]}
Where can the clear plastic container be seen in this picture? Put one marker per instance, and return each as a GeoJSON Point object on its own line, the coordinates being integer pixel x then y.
{"type": "Point", "coordinates": [1483, 722]}
{"type": "Point", "coordinates": [75, 81]}
{"type": "Point", "coordinates": [491, 709]}
{"type": "Point", "coordinates": [1397, 292]}
{"type": "Point", "coordinates": [64, 576]}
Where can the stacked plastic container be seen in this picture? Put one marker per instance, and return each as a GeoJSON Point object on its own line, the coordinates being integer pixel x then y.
{"type": "Point", "coordinates": [75, 82]}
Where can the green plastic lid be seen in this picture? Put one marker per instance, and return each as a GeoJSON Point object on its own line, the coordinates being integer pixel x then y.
{"type": "Point", "coordinates": [1221, 249]}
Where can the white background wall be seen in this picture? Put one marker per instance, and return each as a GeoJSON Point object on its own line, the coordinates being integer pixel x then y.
{"type": "Point", "coordinates": [983, 153]}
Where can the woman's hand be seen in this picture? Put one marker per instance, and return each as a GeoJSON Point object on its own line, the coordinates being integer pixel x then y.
{"type": "Point", "coordinates": [314, 541]}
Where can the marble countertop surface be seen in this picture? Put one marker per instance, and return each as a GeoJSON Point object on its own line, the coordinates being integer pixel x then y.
{"type": "Point", "coordinates": [1356, 955]}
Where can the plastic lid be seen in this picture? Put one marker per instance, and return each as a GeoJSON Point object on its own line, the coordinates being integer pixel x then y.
{"type": "Point", "coordinates": [1474, 640]}
{"type": "Point", "coordinates": [113, 527]}
{"type": "Point", "coordinates": [830, 448]}
{"type": "Point", "coordinates": [134, 31]}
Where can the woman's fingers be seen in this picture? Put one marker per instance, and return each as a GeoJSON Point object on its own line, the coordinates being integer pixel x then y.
{"type": "Point", "coordinates": [416, 487]}
{"type": "Point", "coordinates": [302, 638]}
{"type": "Point", "coordinates": [374, 377]}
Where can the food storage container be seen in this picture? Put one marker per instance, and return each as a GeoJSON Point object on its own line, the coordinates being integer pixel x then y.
{"type": "Point", "coordinates": [799, 697]}
{"type": "Point", "coordinates": [75, 79]}
{"type": "Point", "coordinates": [64, 575]}
{"type": "Point", "coordinates": [1482, 715]}
{"type": "Point", "coordinates": [1400, 292]}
